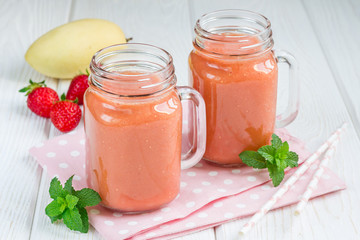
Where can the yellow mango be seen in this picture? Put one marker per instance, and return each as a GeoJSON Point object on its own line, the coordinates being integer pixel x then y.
{"type": "Point", "coordinates": [67, 50]}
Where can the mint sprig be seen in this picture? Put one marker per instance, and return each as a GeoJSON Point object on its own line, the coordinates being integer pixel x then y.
{"type": "Point", "coordinates": [275, 157]}
{"type": "Point", "coordinates": [69, 204]}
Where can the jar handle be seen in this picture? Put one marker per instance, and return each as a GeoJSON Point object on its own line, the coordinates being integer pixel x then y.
{"type": "Point", "coordinates": [292, 108]}
{"type": "Point", "coordinates": [194, 126]}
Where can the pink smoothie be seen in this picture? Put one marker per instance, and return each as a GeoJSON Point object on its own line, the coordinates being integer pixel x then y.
{"type": "Point", "coordinates": [133, 149]}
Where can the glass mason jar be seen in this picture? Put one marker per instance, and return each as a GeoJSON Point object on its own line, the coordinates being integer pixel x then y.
{"type": "Point", "coordinates": [133, 127]}
{"type": "Point", "coordinates": [235, 69]}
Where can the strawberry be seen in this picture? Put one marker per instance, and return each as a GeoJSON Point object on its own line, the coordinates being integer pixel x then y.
{"type": "Point", "coordinates": [65, 114]}
{"type": "Point", "coordinates": [40, 98]}
{"type": "Point", "coordinates": [77, 88]}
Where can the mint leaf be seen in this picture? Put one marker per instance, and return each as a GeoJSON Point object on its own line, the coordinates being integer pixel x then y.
{"type": "Point", "coordinates": [292, 159]}
{"type": "Point", "coordinates": [275, 141]}
{"type": "Point", "coordinates": [282, 151]}
{"type": "Point", "coordinates": [61, 201]}
{"type": "Point", "coordinates": [55, 188]}
{"type": "Point", "coordinates": [84, 219]}
{"type": "Point", "coordinates": [275, 157]}
{"type": "Point", "coordinates": [253, 159]}
{"type": "Point", "coordinates": [276, 175]}
{"type": "Point", "coordinates": [72, 219]}
{"type": "Point", "coordinates": [268, 152]}
{"type": "Point", "coordinates": [87, 197]}
{"type": "Point", "coordinates": [281, 164]}
{"type": "Point", "coordinates": [53, 209]}
{"type": "Point", "coordinates": [68, 185]}
{"type": "Point", "coordinates": [54, 219]}
{"type": "Point", "coordinates": [71, 201]}
{"type": "Point", "coordinates": [69, 204]}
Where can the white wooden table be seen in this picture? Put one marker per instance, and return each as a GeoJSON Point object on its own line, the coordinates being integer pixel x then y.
{"type": "Point", "coordinates": [324, 35]}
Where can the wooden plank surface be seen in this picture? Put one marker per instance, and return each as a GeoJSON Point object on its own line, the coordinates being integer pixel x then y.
{"type": "Point", "coordinates": [21, 22]}
{"type": "Point", "coordinates": [337, 27]}
{"type": "Point", "coordinates": [323, 35]}
{"type": "Point", "coordinates": [322, 110]}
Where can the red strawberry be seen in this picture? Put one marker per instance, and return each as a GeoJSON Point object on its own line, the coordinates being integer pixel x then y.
{"type": "Point", "coordinates": [65, 115]}
{"type": "Point", "coordinates": [40, 98]}
{"type": "Point", "coordinates": [77, 88]}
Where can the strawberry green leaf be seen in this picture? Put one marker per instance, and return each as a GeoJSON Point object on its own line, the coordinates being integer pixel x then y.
{"type": "Point", "coordinates": [72, 219]}
{"type": "Point", "coordinates": [63, 97]}
{"type": "Point", "coordinates": [28, 89]}
{"type": "Point", "coordinates": [268, 152]}
{"type": "Point", "coordinates": [87, 197]}
{"type": "Point", "coordinates": [292, 159]}
{"type": "Point", "coordinates": [53, 209]}
{"type": "Point", "coordinates": [71, 201]}
{"type": "Point", "coordinates": [55, 189]}
{"type": "Point", "coordinates": [253, 159]}
{"type": "Point", "coordinates": [25, 89]}
{"type": "Point", "coordinates": [275, 141]}
{"type": "Point", "coordinates": [84, 219]}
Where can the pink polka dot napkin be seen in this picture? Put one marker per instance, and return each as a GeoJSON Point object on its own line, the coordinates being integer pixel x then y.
{"type": "Point", "coordinates": [209, 195]}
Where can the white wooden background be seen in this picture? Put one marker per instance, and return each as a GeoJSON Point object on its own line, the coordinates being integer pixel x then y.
{"type": "Point", "coordinates": [324, 35]}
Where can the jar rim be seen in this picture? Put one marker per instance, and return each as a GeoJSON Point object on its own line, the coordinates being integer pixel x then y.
{"type": "Point", "coordinates": [205, 32]}
{"type": "Point", "coordinates": [98, 69]}
{"type": "Point", "coordinates": [237, 11]}
{"type": "Point", "coordinates": [132, 70]}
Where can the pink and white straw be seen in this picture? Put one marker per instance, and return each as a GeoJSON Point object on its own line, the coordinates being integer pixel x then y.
{"type": "Point", "coordinates": [286, 186]}
{"type": "Point", "coordinates": [314, 181]}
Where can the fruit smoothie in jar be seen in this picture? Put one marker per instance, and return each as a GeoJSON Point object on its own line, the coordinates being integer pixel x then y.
{"type": "Point", "coordinates": [133, 126]}
{"type": "Point", "coordinates": [235, 69]}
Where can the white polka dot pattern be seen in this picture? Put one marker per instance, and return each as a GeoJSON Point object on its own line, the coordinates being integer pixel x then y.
{"type": "Point", "coordinates": [77, 178]}
{"type": "Point", "coordinates": [202, 215]}
{"type": "Point", "coordinates": [205, 183]}
{"type": "Point", "coordinates": [157, 218]}
{"type": "Point", "coordinates": [228, 181]}
{"type": "Point", "coordinates": [109, 223]}
{"type": "Point", "coordinates": [166, 209]}
{"type": "Point", "coordinates": [116, 214]}
{"type": "Point", "coordinates": [94, 211]}
{"type": "Point", "coordinates": [190, 204]}
{"type": "Point", "coordinates": [123, 231]}
{"type": "Point", "coordinates": [251, 179]}
{"type": "Point", "coordinates": [62, 142]}
{"type": "Point", "coordinates": [213, 173]}
{"type": "Point", "coordinates": [198, 203]}
{"type": "Point", "coordinates": [197, 190]}
{"type": "Point", "coordinates": [75, 153]}
{"type": "Point", "coordinates": [183, 184]}
{"type": "Point", "coordinates": [63, 165]}
{"type": "Point", "coordinates": [51, 154]}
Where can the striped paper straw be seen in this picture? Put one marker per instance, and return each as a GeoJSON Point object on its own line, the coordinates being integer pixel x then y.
{"type": "Point", "coordinates": [314, 181]}
{"type": "Point", "coordinates": [285, 187]}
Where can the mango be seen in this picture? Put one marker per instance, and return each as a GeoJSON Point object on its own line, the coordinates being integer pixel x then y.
{"type": "Point", "coordinates": [67, 50]}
